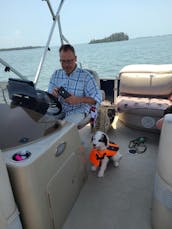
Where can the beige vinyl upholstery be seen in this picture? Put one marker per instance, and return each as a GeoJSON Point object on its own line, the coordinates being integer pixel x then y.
{"type": "Point", "coordinates": [143, 94]}
{"type": "Point", "coordinates": [87, 119]}
{"type": "Point", "coordinates": [162, 195]}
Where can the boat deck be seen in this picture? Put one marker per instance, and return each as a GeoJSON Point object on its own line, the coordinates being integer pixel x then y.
{"type": "Point", "coordinates": [122, 198]}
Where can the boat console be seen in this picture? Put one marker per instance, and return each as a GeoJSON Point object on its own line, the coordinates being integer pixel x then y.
{"type": "Point", "coordinates": [30, 115]}
{"type": "Point", "coordinates": [44, 157]}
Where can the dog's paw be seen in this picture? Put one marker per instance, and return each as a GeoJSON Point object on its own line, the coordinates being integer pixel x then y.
{"type": "Point", "coordinates": [100, 174]}
{"type": "Point", "coordinates": [93, 168]}
{"type": "Point", "coordinates": [116, 163]}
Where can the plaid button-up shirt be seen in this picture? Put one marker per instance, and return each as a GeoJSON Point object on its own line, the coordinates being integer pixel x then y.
{"type": "Point", "coordinates": [79, 83]}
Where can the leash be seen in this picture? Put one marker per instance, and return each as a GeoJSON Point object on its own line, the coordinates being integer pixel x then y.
{"type": "Point", "coordinates": [137, 145]}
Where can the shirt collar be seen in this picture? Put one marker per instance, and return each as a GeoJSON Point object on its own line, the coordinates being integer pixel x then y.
{"type": "Point", "coordinates": [75, 70]}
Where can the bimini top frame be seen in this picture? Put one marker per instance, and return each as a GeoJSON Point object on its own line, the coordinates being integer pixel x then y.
{"type": "Point", "coordinates": [56, 18]}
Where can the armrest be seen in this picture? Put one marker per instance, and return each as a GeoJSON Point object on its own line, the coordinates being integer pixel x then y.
{"type": "Point", "coordinates": [84, 122]}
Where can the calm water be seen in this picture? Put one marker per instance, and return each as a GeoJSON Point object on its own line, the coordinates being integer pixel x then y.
{"type": "Point", "coordinates": [105, 58]}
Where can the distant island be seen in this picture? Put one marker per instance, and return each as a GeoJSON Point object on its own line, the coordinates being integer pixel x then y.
{"type": "Point", "coordinates": [20, 48]}
{"type": "Point", "coordinates": [113, 37]}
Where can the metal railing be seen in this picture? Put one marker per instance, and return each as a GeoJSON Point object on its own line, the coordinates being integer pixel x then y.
{"type": "Point", "coordinates": [56, 18]}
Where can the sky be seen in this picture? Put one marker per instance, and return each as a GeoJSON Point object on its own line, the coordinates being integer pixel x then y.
{"type": "Point", "coordinates": [28, 22]}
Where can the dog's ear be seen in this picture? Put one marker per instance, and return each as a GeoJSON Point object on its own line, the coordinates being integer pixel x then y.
{"type": "Point", "coordinates": [91, 138]}
{"type": "Point", "coordinates": [104, 139]}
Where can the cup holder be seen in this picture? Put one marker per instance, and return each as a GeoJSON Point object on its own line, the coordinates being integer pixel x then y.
{"type": "Point", "coordinates": [21, 155]}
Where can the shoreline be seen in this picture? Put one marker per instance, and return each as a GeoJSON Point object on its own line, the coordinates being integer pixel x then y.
{"type": "Point", "coordinates": [20, 48]}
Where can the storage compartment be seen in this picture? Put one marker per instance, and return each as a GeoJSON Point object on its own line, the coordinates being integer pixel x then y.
{"type": "Point", "coordinates": [162, 196]}
{"type": "Point", "coordinates": [110, 87]}
{"type": "Point", "coordinates": [47, 183]}
{"type": "Point", "coordinates": [9, 215]}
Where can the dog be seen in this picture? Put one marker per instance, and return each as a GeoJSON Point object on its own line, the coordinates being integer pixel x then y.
{"type": "Point", "coordinates": [103, 150]}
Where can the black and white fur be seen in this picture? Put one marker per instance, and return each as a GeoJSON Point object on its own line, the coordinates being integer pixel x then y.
{"type": "Point", "coordinates": [100, 141]}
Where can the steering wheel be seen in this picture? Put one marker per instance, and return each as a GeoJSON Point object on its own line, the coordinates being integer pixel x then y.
{"type": "Point", "coordinates": [54, 106]}
{"type": "Point", "coordinates": [23, 93]}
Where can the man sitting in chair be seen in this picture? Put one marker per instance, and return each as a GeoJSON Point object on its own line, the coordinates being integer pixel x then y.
{"type": "Point", "coordinates": [75, 88]}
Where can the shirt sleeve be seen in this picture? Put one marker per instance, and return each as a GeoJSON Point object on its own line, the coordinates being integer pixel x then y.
{"type": "Point", "coordinates": [93, 90]}
{"type": "Point", "coordinates": [52, 82]}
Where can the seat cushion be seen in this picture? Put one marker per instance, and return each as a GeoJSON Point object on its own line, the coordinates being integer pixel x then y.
{"type": "Point", "coordinates": [126, 103]}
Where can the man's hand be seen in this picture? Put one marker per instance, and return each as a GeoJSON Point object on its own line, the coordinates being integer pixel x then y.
{"type": "Point", "coordinates": [55, 92]}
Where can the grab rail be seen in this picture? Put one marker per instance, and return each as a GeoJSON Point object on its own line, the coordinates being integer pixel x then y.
{"type": "Point", "coordinates": [10, 68]}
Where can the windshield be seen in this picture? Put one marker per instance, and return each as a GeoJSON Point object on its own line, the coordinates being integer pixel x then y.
{"type": "Point", "coordinates": [21, 125]}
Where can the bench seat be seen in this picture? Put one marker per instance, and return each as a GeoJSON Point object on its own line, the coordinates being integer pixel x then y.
{"type": "Point", "coordinates": [143, 94]}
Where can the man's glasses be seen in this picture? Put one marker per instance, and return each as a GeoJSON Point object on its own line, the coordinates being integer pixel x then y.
{"type": "Point", "coordinates": [67, 61]}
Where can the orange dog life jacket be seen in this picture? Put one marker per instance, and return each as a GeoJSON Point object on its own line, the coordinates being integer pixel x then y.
{"type": "Point", "coordinates": [97, 155]}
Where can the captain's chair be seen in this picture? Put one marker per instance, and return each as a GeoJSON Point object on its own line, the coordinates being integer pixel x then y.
{"type": "Point", "coordinates": [88, 118]}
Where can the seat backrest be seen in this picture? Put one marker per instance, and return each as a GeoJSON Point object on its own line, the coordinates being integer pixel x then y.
{"type": "Point", "coordinates": [137, 80]}
{"type": "Point", "coordinates": [95, 75]}
{"type": "Point", "coordinates": [87, 119]}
